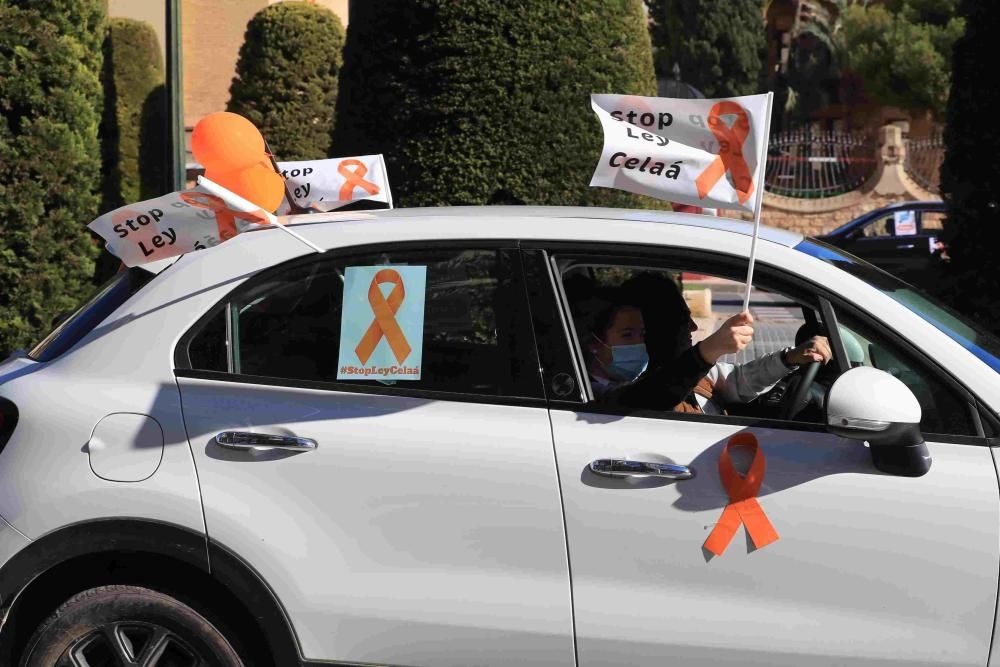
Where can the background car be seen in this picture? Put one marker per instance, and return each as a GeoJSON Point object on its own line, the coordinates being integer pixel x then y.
{"type": "Point", "coordinates": [182, 470]}
{"type": "Point", "coordinates": [903, 238]}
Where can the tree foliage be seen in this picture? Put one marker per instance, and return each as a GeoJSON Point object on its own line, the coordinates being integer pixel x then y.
{"type": "Point", "coordinates": [49, 170]}
{"type": "Point", "coordinates": [718, 44]}
{"type": "Point", "coordinates": [970, 174]}
{"type": "Point", "coordinates": [82, 20]}
{"type": "Point", "coordinates": [133, 131]}
{"type": "Point", "coordinates": [286, 77]}
{"type": "Point", "coordinates": [489, 102]}
{"type": "Point", "coordinates": [902, 50]}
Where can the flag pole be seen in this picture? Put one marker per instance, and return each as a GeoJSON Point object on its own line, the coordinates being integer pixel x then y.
{"type": "Point", "coordinates": [293, 208]}
{"type": "Point", "coordinates": [241, 204]}
{"type": "Point", "coordinates": [760, 200]}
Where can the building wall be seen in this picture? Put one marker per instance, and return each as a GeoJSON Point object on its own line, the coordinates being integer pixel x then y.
{"type": "Point", "coordinates": [153, 13]}
{"type": "Point", "coordinates": [212, 33]}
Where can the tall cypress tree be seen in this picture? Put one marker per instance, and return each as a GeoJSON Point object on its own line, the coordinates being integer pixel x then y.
{"type": "Point", "coordinates": [133, 131]}
{"type": "Point", "coordinates": [489, 102]}
{"type": "Point", "coordinates": [286, 77]}
{"type": "Point", "coordinates": [718, 44]}
{"type": "Point", "coordinates": [970, 174]}
{"type": "Point", "coordinates": [49, 173]}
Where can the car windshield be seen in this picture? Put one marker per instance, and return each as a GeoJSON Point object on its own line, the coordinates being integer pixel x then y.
{"type": "Point", "coordinates": [108, 298]}
{"type": "Point", "coordinates": [969, 335]}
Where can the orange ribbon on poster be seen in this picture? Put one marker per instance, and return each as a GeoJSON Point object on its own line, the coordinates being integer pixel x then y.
{"type": "Point", "coordinates": [743, 506]}
{"type": "Point", "coordinates": [225, 217]}
{"type": "Point", "coordinates": [354, 179]}
{"type": "Point", "coordinates": [384, 324]}
{"type": "Point", "coordinates": [730, 157]}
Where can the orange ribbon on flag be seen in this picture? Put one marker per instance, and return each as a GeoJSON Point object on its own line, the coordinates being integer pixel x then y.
{"type": "Point", "coordinates": [743, 506]}
{"type": "Point", "coordinates": [730, 157]}
{"type": "Point", "coordinates": [385, 323]}
{"type": "Point", "coordinates": [354, 179]}
{"type": "Point", "coordinates": [225, 217]}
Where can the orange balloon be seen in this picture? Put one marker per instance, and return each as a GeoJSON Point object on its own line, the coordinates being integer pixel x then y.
{"type": "Point", "coordinates": [258, 183]}
{"type": "Point", "coordinates": [225, 141]}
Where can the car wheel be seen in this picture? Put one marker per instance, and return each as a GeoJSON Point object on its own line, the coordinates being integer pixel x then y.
{"type": "Point", "coordinates": [115, 626]}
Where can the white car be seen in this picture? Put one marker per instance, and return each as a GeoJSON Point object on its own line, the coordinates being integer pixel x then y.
{"type": "Point", "coordinates": [184, 480]}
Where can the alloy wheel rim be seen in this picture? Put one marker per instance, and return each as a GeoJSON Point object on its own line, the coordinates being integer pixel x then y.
{"type": "Point", "coordinates": [131, 644]}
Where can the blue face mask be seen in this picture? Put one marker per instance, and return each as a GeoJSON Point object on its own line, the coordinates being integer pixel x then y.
{"type": "Point", "coordinates": [627, 361]}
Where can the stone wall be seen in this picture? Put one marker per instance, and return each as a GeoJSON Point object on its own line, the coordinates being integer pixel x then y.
{"type": "Point", "coordinates": [888, 185]}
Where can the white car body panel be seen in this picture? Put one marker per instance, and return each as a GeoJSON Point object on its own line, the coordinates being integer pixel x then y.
{"type": "Point", "coordinates": [869, 570]}
{"type": "Point", "coordinates": [46, 481]}
{"type": "Point", "coordinates": [419, 532]}
{"type": "Point", "coordinates": [126, 447]}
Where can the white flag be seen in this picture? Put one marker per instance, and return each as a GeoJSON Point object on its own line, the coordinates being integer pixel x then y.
{"type": "Point", "coordinates": [691, 151]}
{"type": "Point", "coordinates": [325, 185]}
{"type": "Point", "coordinates": [171, 225]}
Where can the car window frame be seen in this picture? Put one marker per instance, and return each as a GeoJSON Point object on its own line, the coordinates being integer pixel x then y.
{"type": "Point", "coordinates": [182, 363]}
{"type": "Point", "coordinates": [789, 284]}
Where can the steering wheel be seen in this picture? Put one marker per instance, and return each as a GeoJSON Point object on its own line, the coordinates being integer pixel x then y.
{"type": "Point", "coordinates": [797, 391]}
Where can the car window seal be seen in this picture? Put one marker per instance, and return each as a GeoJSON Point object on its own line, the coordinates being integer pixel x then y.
{"type": "Point", "coordinates": [562, 301]}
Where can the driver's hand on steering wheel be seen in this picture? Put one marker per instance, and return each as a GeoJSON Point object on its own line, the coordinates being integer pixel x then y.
{"type": "Point", "coordinates": [816, 348]}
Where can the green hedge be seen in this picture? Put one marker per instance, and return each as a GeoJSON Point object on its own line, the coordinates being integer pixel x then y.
{"type": "Point", "coordinates": [970, 174]}
{"type": "Point", "coordinates": [286, 77]}
{"type": "Point", "coordinates": [718, 44]}
{"type": "Point", "coordinates": [134, 131]}
{"type": "Point", "coordinates": [49, 172]}
{"type": "Point", "coordinates": [82, 20]}
{"type": "Point", "coordinates": [481, 101]}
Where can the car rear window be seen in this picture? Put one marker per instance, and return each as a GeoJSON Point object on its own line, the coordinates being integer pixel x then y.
{"type": "Point", "coordinates": [109, 297]}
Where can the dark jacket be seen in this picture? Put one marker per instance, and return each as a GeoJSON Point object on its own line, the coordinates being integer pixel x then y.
{"type": "Point", "coordinates": [662, 387]}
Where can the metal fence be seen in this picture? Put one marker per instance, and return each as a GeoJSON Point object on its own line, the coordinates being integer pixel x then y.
{"type": "Point", "coordinates": [810, 165]}
{"type": "Point", "coordinates": [923, 160]}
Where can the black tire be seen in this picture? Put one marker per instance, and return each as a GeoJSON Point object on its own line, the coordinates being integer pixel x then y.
{"type": "Point", "coordinates": [119, 625]}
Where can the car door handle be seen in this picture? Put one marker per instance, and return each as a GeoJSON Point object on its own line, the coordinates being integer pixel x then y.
{"type": "Point", "coordinates": [906, 246]}
{"type": "Point", "coordinates": [624, 468]}
{"type": "Point", "coordinates": [244, 440]}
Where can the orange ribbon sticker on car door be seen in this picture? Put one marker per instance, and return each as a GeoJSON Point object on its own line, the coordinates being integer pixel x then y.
{"type": "Point", "coordinates": [730, 157]}
{"type": "Point", "coordinates": [354, 179]}
{"type": "Point", "coordinates": [743, 506]}
{"type": "Point", "coordinates": [384, 324]}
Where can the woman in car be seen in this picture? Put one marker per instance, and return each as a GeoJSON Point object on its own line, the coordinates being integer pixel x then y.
{"type": "Point", "coordinates": [678, 374]}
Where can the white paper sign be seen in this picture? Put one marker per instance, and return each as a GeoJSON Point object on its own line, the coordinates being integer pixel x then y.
{"type": "Point", "coordinates": [905, 223]}
{"type": "Point", "coordinates": [171, 225]}
{"type": "Point", "coordinates": [691, 151]}
{"type": "Point", "coordinates": [325, 185]}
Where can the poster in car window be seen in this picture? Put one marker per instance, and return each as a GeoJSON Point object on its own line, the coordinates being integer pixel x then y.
{"type": "Point", "coordinates": [382, 325]}
{"type": "Point", "coordinates": [905, 223]}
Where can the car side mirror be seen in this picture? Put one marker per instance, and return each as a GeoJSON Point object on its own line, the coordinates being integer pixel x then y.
{"type": "Point", "coordinates": [868, 404]}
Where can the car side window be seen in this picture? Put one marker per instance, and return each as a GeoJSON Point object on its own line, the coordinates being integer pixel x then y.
{"type": "Point", "coordinates": [881, 227]}
{"type": "Point", "coordinates": [677, 309]}
{"type": "Point", "coordinates": [287, 325]}
{"type": "Point", "coordinates": [932, 221]}
{"type": "Point", "coordinates": [943, 410]}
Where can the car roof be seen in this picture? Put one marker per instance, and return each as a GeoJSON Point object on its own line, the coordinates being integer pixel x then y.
{"type": "Point", "coordinates": [489, 215]}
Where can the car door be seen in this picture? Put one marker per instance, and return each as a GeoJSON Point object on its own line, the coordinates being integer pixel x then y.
{"type": "Point", "coordinates": [422, 524]}
{"type": "Point", "coordinates": [894, 242]}
{"type": "Point", "coordinates": [868, 569]}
